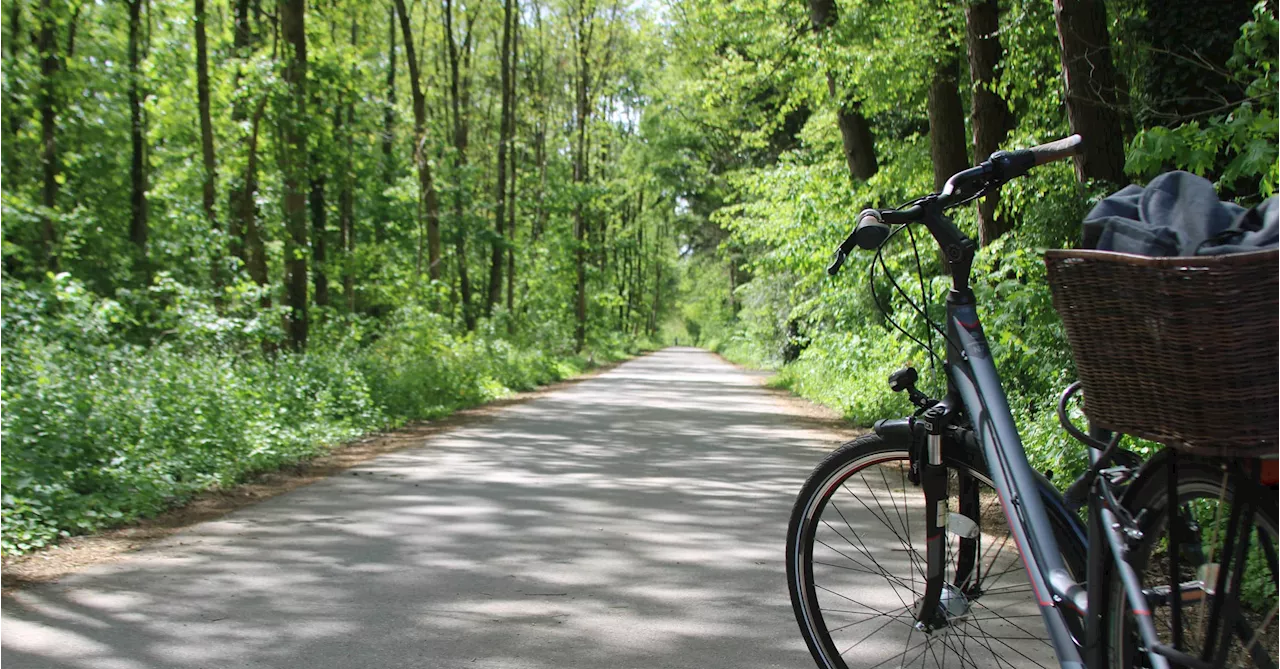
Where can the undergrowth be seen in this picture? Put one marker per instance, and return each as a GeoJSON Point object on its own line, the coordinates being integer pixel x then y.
{"type": "Point", "coordinates": [100, 430]}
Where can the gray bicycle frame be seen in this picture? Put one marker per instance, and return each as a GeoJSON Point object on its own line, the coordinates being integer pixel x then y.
{"type": "Point", "coordinates": [972, 376]}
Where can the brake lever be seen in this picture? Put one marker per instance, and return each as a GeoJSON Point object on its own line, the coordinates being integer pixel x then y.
{"type": "Point", "coordinates": [836, 264]}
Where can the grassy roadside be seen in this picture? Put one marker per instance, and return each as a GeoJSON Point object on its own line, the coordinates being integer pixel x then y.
{"type": "Point", "coordinates": [74, 553]}
{"type": "Point", "coordinates": [100, 432]}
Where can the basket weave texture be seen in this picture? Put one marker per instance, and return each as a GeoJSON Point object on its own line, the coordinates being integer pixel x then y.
{"type": "Point", "coordinates": [1184, 350]}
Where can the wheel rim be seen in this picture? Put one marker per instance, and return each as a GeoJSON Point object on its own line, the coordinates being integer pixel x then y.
{"type": "Point", "coordinates": [860, 562]}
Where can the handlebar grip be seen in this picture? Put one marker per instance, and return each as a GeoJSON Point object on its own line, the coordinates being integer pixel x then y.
{"type": "Point", "coordinates": [1063, 148]}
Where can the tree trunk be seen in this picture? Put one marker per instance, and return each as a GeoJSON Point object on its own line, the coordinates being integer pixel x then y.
{"type": "Point", "coordinates": [427, 195]}
{"type": "Point", "coordinates": [137, 165]}
{"type": "Point", "coordinates": [638, 285]}
{"type": "Point", "coordinates": [346, 197]}
{"type": "Point", "coordinates": [540, 133]}
{"type": "Point", "coordinates": [293, 157]}
{"type": "Point", "coordinates": [16, 114]}
{"type": "Point", "coordinates": [460, 102]}
{"type": "Point", "coordinates": [582, 41]}
{"type": "Point", "coordinates": [240, 202]}
{"type": "Point", "coordinates": [50, 65]}
{"type": "Point", "coordinates": [255, 252]}
{"type": "Point", "coordinates": [319, 232]}
{"type": "Point", "coordinates": [497, 254]}
{"type": "Point", "coordinates": [855, 136]}
{"type": "Point", "coordinates": [318, 167]}
{"type": "Point", "coordinates": [990, 115]}
{"type": "Point", "coordinates": [947, 145]}
{"type": "Point", "coordinates": [208, 186]}
{"type": "Point", "coordinates": [511, 200]}
{"type": "Point", "coordinates": [1089, 78]}
{"type": "Point", "coordinates": [637, 258]}
{"type": "Point", "coordinates": [657, 299]}
{"type": "Point", "coordinates": [388, 137]}
{"type": "Point", "coordinates": [855, 132]}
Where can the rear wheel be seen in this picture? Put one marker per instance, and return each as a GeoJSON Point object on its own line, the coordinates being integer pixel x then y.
{"type": "Point", "coordinates": [856, 565]}
{"type": "Point", "coordinates": [1210, 537]}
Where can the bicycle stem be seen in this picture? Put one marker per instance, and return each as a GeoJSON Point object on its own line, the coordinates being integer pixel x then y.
{"type": "Point", "coordinates": [957, 249]}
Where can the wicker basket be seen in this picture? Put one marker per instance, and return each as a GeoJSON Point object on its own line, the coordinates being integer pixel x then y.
{"type": "Point", "coordinates": [1182, 351]}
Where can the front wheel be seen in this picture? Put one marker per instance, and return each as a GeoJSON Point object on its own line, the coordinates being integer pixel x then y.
{"type": "Point", "coordinates": [856, 567]}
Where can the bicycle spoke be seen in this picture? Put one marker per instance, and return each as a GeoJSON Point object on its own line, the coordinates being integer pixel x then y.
{"type": "Point", "coordinates": [863, 563]}
{"type": "Point", "coordinates": [852, 600]}
{"type": "Point", "coordinates": [911, 551]}
{"type": "Point", "coordinates": [984, 638]}
{"type": "Point", "coordinates": [915, 558]}
{"type": "Point", "coordinates": [864, 567]}
{"type": "Point", "coordinates": [867, 551]}
{"type": "Point", "coordinates": [1031, 637]}
{"type": "Point", "coordinates": [882, 571]}
{"type": "Point", "coordinates": [868, 618]}
{"type": "Point", "coordinates": [859, 642]}
{"type": "Point", "coordinates": [1006, 644]}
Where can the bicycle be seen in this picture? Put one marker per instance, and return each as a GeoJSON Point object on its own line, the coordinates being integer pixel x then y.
{"type": "Point", "coordinates": [932, 540]}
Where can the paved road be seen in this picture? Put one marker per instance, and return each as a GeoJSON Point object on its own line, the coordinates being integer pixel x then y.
{"type": "Point", "coordinates": [636, 519]}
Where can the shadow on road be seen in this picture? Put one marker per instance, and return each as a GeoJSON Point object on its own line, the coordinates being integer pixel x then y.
{"type": "Point", "coordinates": [636, 519]}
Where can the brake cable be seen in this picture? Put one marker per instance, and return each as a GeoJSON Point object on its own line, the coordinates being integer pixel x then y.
{"type": "Point", "coordinates": [924, 299]}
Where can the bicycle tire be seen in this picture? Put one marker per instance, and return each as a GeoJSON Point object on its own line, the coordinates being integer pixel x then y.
{"type": "Point", "coordinates": [1019, 639]}
{"type": "Point", "coordinates": [1203, 492]}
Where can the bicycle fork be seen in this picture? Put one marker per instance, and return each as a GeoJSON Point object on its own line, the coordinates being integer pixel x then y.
{"type": "Point", "coordinates": [942, 601]}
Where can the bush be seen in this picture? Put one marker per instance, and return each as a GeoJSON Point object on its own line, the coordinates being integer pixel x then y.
{"type": "Point", "coordinates": [99, 431]}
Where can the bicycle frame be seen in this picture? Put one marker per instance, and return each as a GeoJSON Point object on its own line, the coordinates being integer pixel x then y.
{"type": "Point", "coordinates": [974, 384]}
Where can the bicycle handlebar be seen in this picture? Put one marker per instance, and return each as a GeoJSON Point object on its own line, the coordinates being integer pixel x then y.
{"type": "Point", "coordinates": [1063, 148]}
{"type": "Point", "coordinates": [873, 225]}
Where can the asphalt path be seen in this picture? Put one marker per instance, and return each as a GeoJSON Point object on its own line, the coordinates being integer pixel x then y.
{"type": "Point", "coordinates": [635, 519]}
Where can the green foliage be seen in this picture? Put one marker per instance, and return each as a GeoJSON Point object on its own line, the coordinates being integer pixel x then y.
{"type": "Point", "coordinates": [99, 431]}
{"type": "Point", "coordinates": [785, 215]}
{"type": "Point", "coordinates": [1237, 148]}
{"type": "Point", "coordinates": [127, 391]}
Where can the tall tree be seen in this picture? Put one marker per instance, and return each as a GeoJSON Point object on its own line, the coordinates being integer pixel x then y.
{"type": "Point", "coordinates": [50, 67]}
{"type": "Point", "coordinates": [243, 229]}
{"type": "Point", "coordinates": [459, 56]}
{"type": "Point", "coordinates": [137, 141]}
{"type": "Point", "coordinates": [346, 195]}
{"type": "Point", "coordinates": [855, 132]}
{"type": "Point", "coordinates": [990, 116]}
{"type": "Point", "coordinates": [947, 146]}
{"type": "Point", "coordinates": [540, 125]}
{"type": "Point", "coordinates": [320, 165]}
{"type": "Point", "coordinates": [388, 135]}
{"type": "Point", "coordinates": [583, 30]}
{"type": "Point", "coordinates": [504, 140]}
{"type": "Point", "coordinates": [1089, 77]}
{"type": "Point", "coordinates": [253, 246]}
{"type": "Point", "coordinates": [293, 159]}
{"type": "Point", "coordinates": [429, 202]}
{"type": "Point", "coordinates": [208, 186]}
{"type": "Point", "coordinates": [319, 214]}
{"type": "Point", "coordinates": [15, 113]}
{"type": "Point", "coordinates": [511, 200]}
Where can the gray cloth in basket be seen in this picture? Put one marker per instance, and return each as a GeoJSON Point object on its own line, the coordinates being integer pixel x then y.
{"type": "Point", "coordinates": [1179, 214]}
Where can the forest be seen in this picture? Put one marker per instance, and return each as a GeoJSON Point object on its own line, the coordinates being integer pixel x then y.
{"type": "Point", "coordinates": [239, 232]}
